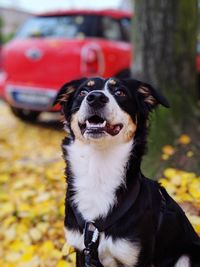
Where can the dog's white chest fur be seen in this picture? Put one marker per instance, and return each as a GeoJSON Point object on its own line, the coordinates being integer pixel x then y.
{"type": "Point", "coordinates": [97, 174]}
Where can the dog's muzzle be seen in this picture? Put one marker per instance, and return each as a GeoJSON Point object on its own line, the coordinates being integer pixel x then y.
{"type": "Point", "coordinates": [96, 123]}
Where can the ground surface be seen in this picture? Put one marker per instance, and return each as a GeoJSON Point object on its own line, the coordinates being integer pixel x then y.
{"type": "Point", "coordinates": [32, 190]}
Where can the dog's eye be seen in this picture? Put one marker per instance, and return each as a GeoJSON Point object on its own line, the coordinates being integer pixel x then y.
{"type": "Point", "coordinates": [83, 93]}
{"type": "Point", "coordinates": [120, 92]}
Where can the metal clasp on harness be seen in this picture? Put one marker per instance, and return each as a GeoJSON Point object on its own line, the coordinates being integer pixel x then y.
{"type": "Point", "coordinates": [91, 241]}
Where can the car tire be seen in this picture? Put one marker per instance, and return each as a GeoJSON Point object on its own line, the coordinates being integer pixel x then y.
{"type": "Point", "coordinates": [25, 114]}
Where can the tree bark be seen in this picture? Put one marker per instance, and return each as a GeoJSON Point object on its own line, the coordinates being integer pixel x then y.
{"type": "Point", "coordinates": [164, 37]}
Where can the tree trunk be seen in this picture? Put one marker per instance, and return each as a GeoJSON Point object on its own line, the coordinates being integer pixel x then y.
{"type": "Point", "coordinates": [165, 40]}
{"type": "Point", "coordinates": [164, 37]}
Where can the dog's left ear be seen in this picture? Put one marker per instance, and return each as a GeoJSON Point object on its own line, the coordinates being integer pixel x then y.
{"type": "Point", "coordinates": [149, 96]}
{"type": "Point", "coordinates": [67, 90]}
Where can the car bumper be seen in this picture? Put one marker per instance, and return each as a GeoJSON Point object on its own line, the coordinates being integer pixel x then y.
{"type": "Point", "coordinates": [31, 98]}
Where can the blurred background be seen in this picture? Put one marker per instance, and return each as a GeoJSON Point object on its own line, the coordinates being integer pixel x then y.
{"type": "Point", "coordinates": [44, 44]}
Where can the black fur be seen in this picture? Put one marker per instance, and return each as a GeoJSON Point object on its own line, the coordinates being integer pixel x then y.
{"type": "Point", "coordinates": [164, 235]}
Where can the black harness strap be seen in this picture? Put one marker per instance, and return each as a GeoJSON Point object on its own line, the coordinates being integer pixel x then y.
{"type": "Point", "coordinates": [162, 210]}
{"type": "Point", "coordinates": [91, 241]}
{"type": "Point", "coordinates": [125, 203]}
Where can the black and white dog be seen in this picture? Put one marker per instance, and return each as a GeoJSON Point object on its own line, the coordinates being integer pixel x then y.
{"type": "Point", "coordinates": [114, 215]}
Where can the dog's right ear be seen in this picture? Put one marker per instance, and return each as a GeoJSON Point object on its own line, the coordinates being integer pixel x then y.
{"type": "Point", "coordinates": [67, 90]}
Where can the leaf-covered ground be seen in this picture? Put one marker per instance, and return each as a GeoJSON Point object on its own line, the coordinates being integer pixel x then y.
{"type": "Point", "coordinates": [32, 190]}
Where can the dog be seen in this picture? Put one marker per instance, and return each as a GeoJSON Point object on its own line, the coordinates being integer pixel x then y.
{"type": "Point", "coordinates": [115, 216]}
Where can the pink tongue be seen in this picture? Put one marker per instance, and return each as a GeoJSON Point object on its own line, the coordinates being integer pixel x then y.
{"type": "Point", "coordinates": [117, 129]}
{"type": "Point", "coordinates": [113, 129]}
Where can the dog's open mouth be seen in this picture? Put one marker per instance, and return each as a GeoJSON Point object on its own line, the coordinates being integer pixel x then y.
{"type": "Point", "coordinates": [97, 125]}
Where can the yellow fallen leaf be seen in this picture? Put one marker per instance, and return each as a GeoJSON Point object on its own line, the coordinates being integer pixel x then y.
{"type": "Point", "coordinates": [42, 227]}
{"type": "Point", "coordinates": [190, 154]}
{"type": "Point", "coordinates": [4, 178]}
{"type": "Point", "coordinates": [8, 221]}
{"type": "Point", "coordinates": [10, 233]}
{"type": "Point", "coordinates": [72, 257]}
{"type": "Point", "coordinates": [35, 234]}
{"type": "Point", "coordinates": [17, 245]}
{"type": "Point", "coordinates": [168, 150]}
{"type": "Point", "coordinates": [47, 246]}
{"type": "Point", "coordinates": [62, 263]}
{"type": "Point", "coordinates": [26, 257]}
{"type": "Point", "coordinates": [32, 262]}
{"type": "Point", "coordinates": [185, 198]}
{"type": "Point", "coordinates": [165, 156]}
{"type": "Point", "coordinates": [67, 250]}
{"type": "Point", "coordinates": [13, 256]}
{"type": "Point", "coordinates": [194, 189]}
{"type": "Point", "coordinates": [6, 209]}
{"type": "Point", "coordinates": [170, 172]}
{"type": "Point", "coordinates": [184, 139]}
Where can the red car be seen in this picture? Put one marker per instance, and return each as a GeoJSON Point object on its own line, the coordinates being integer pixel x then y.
{"type": "Point", "coordinates": [53, 48]}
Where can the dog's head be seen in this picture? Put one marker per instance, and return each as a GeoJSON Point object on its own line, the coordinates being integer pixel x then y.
{"type": "Point", "coordinates": [106, 110]}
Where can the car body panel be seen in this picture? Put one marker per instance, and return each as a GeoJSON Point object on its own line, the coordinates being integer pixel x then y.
{"type": "Point", "coordinates": [35, 64]}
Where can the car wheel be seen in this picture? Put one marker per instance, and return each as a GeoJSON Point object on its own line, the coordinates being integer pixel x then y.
{"type": "Point", "coordinates": [25, 114]}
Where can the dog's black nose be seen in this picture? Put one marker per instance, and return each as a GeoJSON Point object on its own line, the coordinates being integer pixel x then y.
{"type": "Point", "coordinates": [97, 99]}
